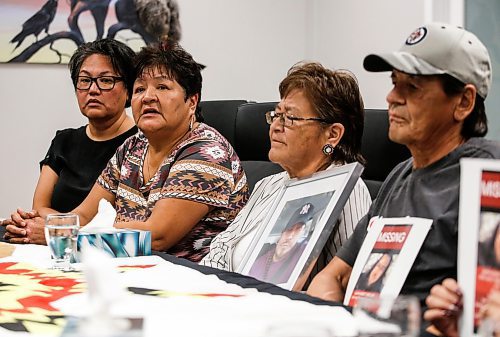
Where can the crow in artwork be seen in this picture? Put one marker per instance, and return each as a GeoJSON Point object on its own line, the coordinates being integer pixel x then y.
{"type": "Point", "coordinates": [41, 20]}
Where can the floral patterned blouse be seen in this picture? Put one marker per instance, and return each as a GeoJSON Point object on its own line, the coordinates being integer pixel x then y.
{"type": "Point", "coordinates": [203, 167]}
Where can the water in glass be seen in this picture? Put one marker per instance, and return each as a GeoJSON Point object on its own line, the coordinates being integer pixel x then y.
{"type": "Point", "coordinates": [61, 232]}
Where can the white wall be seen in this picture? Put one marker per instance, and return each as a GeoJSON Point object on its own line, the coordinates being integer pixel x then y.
{"type": "Point", "coordinates": [247, 47]}
{"type": "Point", "coordinates": [36, 100]}
{"type": "Point", "coordinates": [347, 31]}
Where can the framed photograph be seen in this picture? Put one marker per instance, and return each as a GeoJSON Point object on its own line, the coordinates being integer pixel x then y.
{"type": "Point", "coordinates": [385, 258]}
{"type": "Point", "coordinates": [478, 237]}
{"type": "Point", "coordinates": [303, 217]}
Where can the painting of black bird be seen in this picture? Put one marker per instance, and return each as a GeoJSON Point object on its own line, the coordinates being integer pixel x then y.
{"type": "Point", "coordinates": [152, 20]}
{"type": "Point", "coordinates": [41, 20]}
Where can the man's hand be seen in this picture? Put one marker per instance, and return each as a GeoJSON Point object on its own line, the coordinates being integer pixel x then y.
{"type": "Point", "coordinates": [445, 306]}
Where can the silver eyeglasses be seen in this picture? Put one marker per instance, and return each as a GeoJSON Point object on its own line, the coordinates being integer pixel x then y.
{"type": "Point", "coordinates": [103, 82]}
{"type": "Point", "coordinates": [287, 120]}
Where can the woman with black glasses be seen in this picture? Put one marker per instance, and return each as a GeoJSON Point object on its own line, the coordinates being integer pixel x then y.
{"type": "Point", "coordinates": [102, 75]}
{"type": "Point", "coordinates": [177, 177]}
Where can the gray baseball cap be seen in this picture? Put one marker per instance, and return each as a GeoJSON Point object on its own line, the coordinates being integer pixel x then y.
{"type": "Point", "coordinates": [439, 48]}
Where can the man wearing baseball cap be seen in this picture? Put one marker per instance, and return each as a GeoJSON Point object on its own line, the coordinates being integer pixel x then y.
{"type": "Point", "coordinates": [441, 76]}
{"type": "Point", "coordinates": [278, 261]}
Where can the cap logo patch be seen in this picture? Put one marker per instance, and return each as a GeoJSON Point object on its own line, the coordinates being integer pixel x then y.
{"type": "Point", "coordinates": [416, 36]}
{"type": "Point", "coordinates": [305, 209]}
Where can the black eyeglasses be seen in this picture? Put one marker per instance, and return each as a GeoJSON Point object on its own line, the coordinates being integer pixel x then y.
{"type": "Point", "coordinates": [287, 120]}
{"type": "Point", "coordinates": [103, 82]}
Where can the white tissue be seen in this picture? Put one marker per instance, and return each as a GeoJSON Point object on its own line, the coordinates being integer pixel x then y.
{"type": "Point", "coordinates": [103, 280]}
{"type": "Point", "coordinates": [103, 220]}
{"type": "Point", "coordinates": [104, 289]}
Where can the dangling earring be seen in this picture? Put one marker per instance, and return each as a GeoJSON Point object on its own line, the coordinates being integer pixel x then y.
{"type": "Point", "coordinates": [191, 124]}
{"type": "Point", "coordinates": [328, 149]}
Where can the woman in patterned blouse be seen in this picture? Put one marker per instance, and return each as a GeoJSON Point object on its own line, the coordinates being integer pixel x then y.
{"type": "Point", "coordinates": [178, 178]}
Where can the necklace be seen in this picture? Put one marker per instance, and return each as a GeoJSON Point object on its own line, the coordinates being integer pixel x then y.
{"type": "Point", "coordinates": [148, 175]}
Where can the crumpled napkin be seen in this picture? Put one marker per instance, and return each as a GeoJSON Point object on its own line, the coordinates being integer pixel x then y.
{"type": "Point", "coordinates": [104, 288]}
{"type": "Point", "coordinates": [104, 284]}
{"type": "Point", "coordinates": [103, 220]}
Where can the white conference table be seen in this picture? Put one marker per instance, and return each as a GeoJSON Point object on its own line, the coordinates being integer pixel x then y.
{"type": "Point", "coordinates": [170, 295]}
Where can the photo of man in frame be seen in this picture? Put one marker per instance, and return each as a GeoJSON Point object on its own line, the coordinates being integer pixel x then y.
{"type": "Point", "coordinates": [279, 256]}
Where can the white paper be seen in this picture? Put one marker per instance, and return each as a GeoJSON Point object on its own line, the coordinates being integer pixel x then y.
{"type": "Point", "coordinates": [406, 256]}
{"type": "Point", "coordinates": [103, 220]}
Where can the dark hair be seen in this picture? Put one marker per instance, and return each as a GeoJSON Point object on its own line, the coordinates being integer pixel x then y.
{"type": "Point", "coordinates": [364, 277]}
{"type": "Point", "coordinates": [476, 124]}
{"type": "Point", "coordinates": [120, 55]}
{"type": "Point", "coordinates": [335, 96]}
{"type": "Point", "coordinates": [486, 252]}
{"type": "Point", "coordinates": [178, 64]}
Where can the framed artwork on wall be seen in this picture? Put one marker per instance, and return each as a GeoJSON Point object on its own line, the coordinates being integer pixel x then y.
{"type": "Point", "coordinates": [48, 31]}
{"type": "Point", "coordinates": [305, 213]}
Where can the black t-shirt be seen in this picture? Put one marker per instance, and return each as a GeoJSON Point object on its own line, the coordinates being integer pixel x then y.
{"type": "Point", "coordinates": [431, 192]}
{"type": "Point", "coordinates": [78, 161]}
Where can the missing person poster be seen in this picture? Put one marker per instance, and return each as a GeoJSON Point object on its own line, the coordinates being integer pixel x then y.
{"type": "Point", "coordinates": [488, 248]}
{"type": "Point", "coordinates": [385, 258]}
{"type": "Point", "coordinates": [479, 232]}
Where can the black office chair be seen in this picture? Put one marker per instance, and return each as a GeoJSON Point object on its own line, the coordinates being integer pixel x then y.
{"type": "Point", "coordinates": [252, 131]}
{"type": "Point", "coordinates": [221, 115]}
{"type": "Point", "coordinates": [381, 154]}
{"type": "Point", "coordinates": [252, 141]}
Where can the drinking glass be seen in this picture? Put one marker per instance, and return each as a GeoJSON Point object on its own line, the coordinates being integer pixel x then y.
{"type": "Point", "coordinates": [61, 232]}
{"type": "Point", "coordinates": [388, 316]}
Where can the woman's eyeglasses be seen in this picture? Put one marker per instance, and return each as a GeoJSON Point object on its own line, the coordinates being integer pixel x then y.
{"type": "Point", "coordinates": [287, 120]}
{"type": "Point", "coordinates": [103, 82]}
